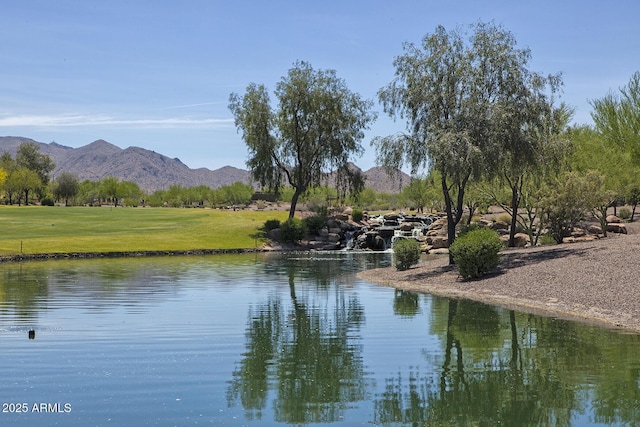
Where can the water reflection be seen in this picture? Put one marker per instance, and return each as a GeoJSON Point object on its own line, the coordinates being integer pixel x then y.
{"type": "Point", "coordinates": [295, 339]}
{"type": "Point", "coordinates": [308, 348]}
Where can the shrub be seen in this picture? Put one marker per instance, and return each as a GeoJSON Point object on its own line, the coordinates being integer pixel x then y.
{"type": "Point", "coordinates": [406, 253]}
{"type": "Point", "coordinates": [504, 218]}
{"type": "Point", "coordinates": [476, 252]}
{"type": "Point", "coordinates": [292, 230]}
{"type": "Point", "coordinates": [468, 228]}
{"type": "Point", "coordinates": [271, 224]}
{"type": "Point", "coordinates": [547, 239]}
{"type": "Point", "coordinates": [357, 215]}
{"type": "Point", "coordinates": [48, 201]}
{"type": "Point", "coordinates": [624, 213]}
{"type": "Point", "coordinates": [313, 224]}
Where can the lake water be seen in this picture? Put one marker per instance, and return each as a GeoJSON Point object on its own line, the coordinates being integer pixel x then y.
{"type": "Point", "coordinates": [289, 339]}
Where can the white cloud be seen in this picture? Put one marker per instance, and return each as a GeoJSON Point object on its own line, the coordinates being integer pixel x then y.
{"type": "Point", "coordinates": [71, 120]}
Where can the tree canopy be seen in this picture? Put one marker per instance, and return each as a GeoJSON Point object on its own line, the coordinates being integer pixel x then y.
{"type": "Point", "coordinates": [315, 129]}
{"type": "Point", "coordinates": [470, 104]}
{"type": "Point", "coordinates": [617, 116]}
{"type": "Point", "coordinates": [29, 156]}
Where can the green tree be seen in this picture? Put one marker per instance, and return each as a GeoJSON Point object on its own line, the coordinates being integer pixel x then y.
{"type": "Point", "coordinates": [3, 177]}
{"type": "Point", "coordinates": [88, 192]}
{"type": "Point", "coordinates": [131, 192]}
{"type": "Point", "coordinates": [455, 95]}
{"type": "Point", "coordinates": [315, 129]}
{"type": "Point", "coordinates": [30, 157]}
{"type": "Point", "coordinates": [9, 165]}
{"type": "Point", "coordinates": [529, 141]}
{"type": "Point", "coordinates": [67, 186]}
{"type": "Point", "coordinates": [417, 193]}
{"type": "Point", "coordinates": [111, 188]}
{"type": "Point", "coordinates": [569, 199]}
{"type": "Point", "coordinates": [617, 116]}
{"type": "Point", "coordinates": [238, 193]}
{"type": "Point", "coordinates": [22, 181]}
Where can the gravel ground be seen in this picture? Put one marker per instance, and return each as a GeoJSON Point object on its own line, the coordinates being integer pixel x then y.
{"type": "Point", "coordinates": [595, 282]}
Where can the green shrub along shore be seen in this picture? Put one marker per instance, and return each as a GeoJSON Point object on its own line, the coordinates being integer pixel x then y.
{"type": "Point", "coordinates": [42, 231]}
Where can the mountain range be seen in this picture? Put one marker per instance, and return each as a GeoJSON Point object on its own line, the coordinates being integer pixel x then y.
{"type": "Point", "coordinates": [153, 171]}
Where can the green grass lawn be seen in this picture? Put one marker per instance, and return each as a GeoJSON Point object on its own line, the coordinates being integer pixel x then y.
{"type": "Point", "coordinates": [45, 229]}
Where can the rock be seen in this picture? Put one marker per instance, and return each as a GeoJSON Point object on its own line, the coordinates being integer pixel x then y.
{"type": "Point", "coordinates": [438, 242]}
{"type": "Point", "coordinates": [571, 239]}
{"type": "Point", "coordinates": [441, 251]}
{"type": "Point", "coordinates": [438, 224]}
{"type": "Point", "coordinates": [613, 219]}
{"type": "Point", "coordinates": [391, 219]}
{"type": "Point", "coordinates": [333, 223]}
{"type": "Point", "coordinates": [615, 227]}
{"type": "Point", "coordinates": [433, 233]}
{"type": "Point", "coordinates": [333, 237]}
{"type": "Point", "coordinates": [485, 223]}
{"type": "Point", "coordinates": [499, 225]}
{"type": "Point", "coordinates": [594, 229]}
{"type": "Point", "coordinates": [316, 245]}
{"type": "Point", "coordinates": [406, 226]}
{"type": "Point", "coordinates": [521, 240]}
{"type": "Point", "coordinates": [578, 232]}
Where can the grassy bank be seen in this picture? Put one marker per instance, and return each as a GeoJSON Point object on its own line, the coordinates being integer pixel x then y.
{"type": "Point", "coordinates": [49, 230]}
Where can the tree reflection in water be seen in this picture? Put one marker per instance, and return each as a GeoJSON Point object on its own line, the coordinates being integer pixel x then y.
{"type": "Point", "coordinates": [307, 352]}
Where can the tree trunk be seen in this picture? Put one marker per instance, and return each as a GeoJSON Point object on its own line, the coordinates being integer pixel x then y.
{"type": "Point", "coordinates": [515, 203]}
{"type": "Point", "coordinates": [451, 226]}
{"type": "Point", "coordinates": [294, 202]}
{"type": "Point", "coordinates": [452, 220]}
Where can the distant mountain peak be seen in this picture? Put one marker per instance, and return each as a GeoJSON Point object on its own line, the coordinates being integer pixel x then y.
{"type": "Point", "coordinates": [153, 171]}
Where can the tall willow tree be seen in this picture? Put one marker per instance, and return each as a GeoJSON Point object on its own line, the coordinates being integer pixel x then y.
{"type": "Point", "coordinates": [315, 129]}
{"type": "Point", "coordinates": [467, 104]}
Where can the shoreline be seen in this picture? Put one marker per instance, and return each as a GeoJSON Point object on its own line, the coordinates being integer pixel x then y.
{"type": "Point", "coordinates": [122, 254]}
{"type": "Point", "coordinates": [593, 282]}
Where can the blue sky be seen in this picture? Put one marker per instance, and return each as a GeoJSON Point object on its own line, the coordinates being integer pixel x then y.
{"type": "Point", "coordinates": [157, 74]}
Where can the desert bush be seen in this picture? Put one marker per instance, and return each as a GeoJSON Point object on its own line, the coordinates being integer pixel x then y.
{"type": "Point", "coordinates": [357, 215]}
{"type": "Point", "coordinates": [292, 230]}
{"type": "Point", "coordinates": [468, 228]}
{"type": "Point", "coordinates": [313, 224]}
{"type": "Point", "coordinates": [504, 218]}
{"type": "Point", "coordinates": [547, 239]}
{"type": "Point", "coordinates": [624, 213]}
{"type": "Point", "coordinates": [476, 252]}
{"type": "Point", "coordinates": [406, 253]}
{"type": "Point", "coordinates": [271, 224]}
{"type": "Point", "coordinates": [47, 201]}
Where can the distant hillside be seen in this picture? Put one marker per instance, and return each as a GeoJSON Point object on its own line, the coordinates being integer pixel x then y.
{"type": "Point", "coordinates": [153, 171]}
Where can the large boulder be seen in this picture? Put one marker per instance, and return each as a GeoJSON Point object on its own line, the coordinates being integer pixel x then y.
{"type": "Point", "coordinates": [438, 242]}
{"type": "Point", "coordinates": [615, 227]}
{"type": "Point", "coordinates": [612, 219]}
{"type": "Point", "coordinates": [333, 237]}
{"type": "Point", "coordinates": [438, 224]}
{"type": "Point", "coordinates": [521, 240]}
